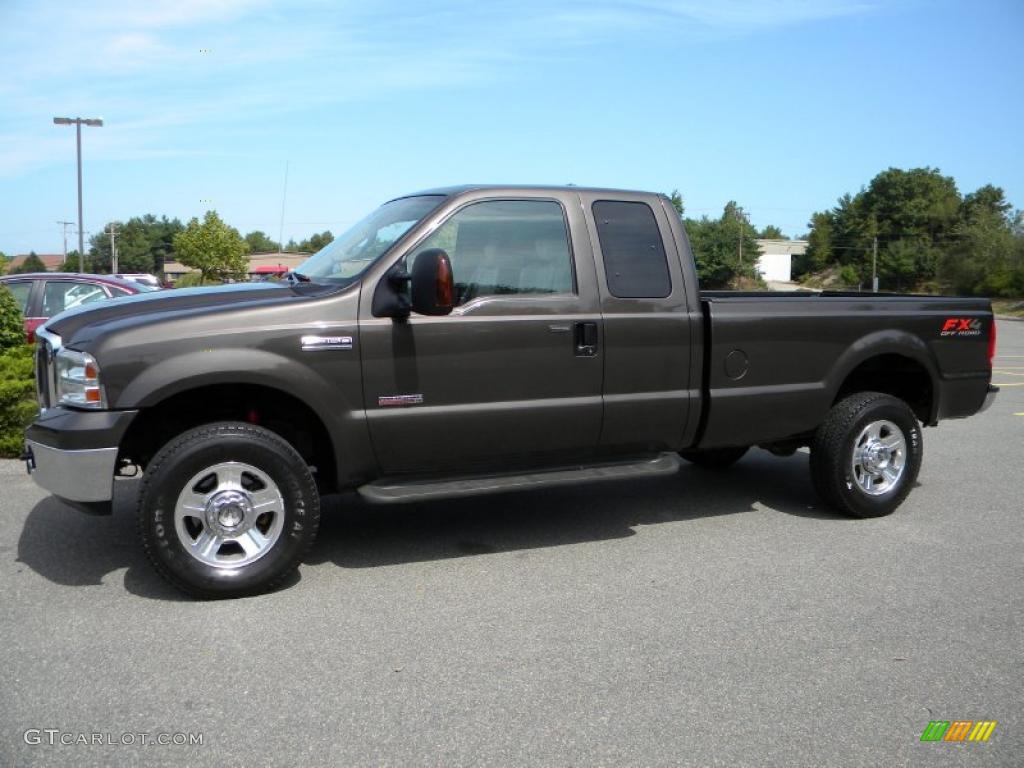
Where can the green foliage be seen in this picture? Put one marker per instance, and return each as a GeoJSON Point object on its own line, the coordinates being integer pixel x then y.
{"type": "Point", "coordinates": [849, 277]}
{"type": "Point", "coordinates": [17, 397]}
{"type": "Point", "coordinates": [212, 247]}
{"type": "Point", "coordinates": [771, 232]}
{"type": "Point", "coordinates": [258, 242]}
{"type": "Point", "coordinates": [4, 261]}
{"type": "Point", "coordinates": [716, 247]}
{"type": "Point", "coordinates": [316, 242]}
{"type": "Point", "coordinates": [677, 202]}
{"type": "Point", "coordinates": [144, 243]}
{"type": "Point", "coordinates": [12, 324]}
{"type": "Point", "coordinates": [32, 263]}
{"type": "Point", "coordinates": [926, 235]}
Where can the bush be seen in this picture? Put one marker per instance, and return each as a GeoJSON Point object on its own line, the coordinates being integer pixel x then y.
{"type": "Point", "coordinates": [17, 398]}
{"type": "Point", "coordinates": [12, 325]}
{"type": "Point", "coordinates": [17, 378]}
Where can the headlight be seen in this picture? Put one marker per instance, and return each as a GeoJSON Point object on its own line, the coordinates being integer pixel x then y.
{"type": "Point", "coordinates": [78, 380]}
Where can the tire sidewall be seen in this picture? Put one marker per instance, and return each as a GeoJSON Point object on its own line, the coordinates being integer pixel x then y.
{"type": "Point", "coordinates": [893, 410]}
{"type": "Point", "coordinates": [268, 454]}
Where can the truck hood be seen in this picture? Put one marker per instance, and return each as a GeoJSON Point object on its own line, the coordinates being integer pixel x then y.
{"type": "Point", "coordinates": [81, 325]}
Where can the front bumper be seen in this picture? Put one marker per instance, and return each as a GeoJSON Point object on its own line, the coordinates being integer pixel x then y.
{"type": "Point", "coordinates": [73, 454]}
{"type": "Point", "coordinates": [82, 475]}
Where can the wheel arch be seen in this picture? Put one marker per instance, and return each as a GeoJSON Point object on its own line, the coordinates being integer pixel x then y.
{"type": "Point", "coordinates": [268, 406]}
{"type": "Point", "coordinates": [894, 362]}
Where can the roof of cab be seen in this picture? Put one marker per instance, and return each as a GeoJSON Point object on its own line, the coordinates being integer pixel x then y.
{"type": "Point", "coordinates": [460, 189]}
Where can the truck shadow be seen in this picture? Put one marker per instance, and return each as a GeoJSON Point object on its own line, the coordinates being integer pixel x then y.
{"type": "Point", "coordinates": [356, 534]}
{"type": "Point", "coordinates": [73, 549]}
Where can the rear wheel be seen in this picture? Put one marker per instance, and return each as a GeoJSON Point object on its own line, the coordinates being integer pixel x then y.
{"type": "Point", "coordinates": [866, 456]}
{"type": "Point", "coordinates": [227, 509]}
{"type": "Point", "coordinates": [715, 458]}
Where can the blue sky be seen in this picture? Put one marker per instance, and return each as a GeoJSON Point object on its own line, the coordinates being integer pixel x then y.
{"type": "Point", "coordinates": [782, 105]}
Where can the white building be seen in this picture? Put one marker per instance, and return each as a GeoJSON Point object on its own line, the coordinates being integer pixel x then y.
{"type": "Point", "coordinates": [775, 263]}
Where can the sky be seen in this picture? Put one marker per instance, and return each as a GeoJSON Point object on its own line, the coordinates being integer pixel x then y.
{"type": "Point", "coordinates": [781, 105]}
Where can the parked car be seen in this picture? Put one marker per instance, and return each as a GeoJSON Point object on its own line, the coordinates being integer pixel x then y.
{"type": "Point", "coordinates": [144, 278]}
{"type": "Point", "coordinates": [479, 339]}
{"type": "Point", "coordinates": [41, 295]}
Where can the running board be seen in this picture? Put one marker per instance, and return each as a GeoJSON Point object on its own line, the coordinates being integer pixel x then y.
{"type": "Point", "coordinates": [398, 491]}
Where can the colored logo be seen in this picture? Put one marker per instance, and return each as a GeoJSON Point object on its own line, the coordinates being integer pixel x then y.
{"type": "Point", "coordinates": [958, 730]}
{"type": "Point", "coordinates": [961, 326]}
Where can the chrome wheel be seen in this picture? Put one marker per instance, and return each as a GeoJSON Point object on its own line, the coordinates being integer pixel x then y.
{"type": "Point", "coordinates": [879, 457]}
{"type": "Point", "coordinates": [229, 515]}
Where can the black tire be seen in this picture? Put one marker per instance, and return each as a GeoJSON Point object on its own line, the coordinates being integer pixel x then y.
{"type": "Point", "coordinates": [270, 474]}
{"type": "Point", "coordinates": [840, 480]}
{"type": "Point", "coordinates": [715, 458]}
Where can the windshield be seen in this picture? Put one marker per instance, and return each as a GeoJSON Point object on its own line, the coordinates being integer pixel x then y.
{"type": "Point", "coordinates": [345, 257]}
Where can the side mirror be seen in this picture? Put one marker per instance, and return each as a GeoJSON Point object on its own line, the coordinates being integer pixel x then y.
{"type": "Point", "coordinates": [433, 286]}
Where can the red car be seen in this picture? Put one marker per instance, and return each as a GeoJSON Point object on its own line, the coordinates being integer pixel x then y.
{"type": "Point", "coordinates": [41, 295]}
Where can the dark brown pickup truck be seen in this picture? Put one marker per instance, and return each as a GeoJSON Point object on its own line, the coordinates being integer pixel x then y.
{"type": "Point", "coordinates": [471, 340]}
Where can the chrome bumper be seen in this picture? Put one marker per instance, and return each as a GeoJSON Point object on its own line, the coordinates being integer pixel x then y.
{"type": "Point", "coordinates": [989, 398]}
{"type": "Point", "coordinates": [85, 475]}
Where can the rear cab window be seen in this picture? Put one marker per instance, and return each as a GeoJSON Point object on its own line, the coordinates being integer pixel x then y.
{"type": "Point", "coordinates": [635, 263]}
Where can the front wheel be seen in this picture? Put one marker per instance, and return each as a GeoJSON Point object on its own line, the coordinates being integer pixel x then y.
{"type": "Point", "coordinates": [866, 455]}
{"type": "Point", "coordinates": [227, 509]}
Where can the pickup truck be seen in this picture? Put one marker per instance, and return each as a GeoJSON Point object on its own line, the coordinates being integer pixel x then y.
{"type": "Point", "coordinates": [472, 340]}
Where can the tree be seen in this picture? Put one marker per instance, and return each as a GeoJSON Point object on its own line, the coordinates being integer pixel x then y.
{"type": "Point", "coordinates": [32, 263]}
{"type": "Point", "coordinates": [259, 243]}
{"type": "Point", "coordinates": [771, 232]}
{"type": "Point", "coordinates": [716, 247]}
{"type": "Point", "coordinates": [144, 243]}
{"type": "Point", "coordinates": [927, 235]}
{"type": "Point", "coordinates": [910, 212]}
{"type": "Point", "coordinates": [212, 247]}
{"type": "Point", "coordinates": [17, 382]}
{"type": "Point", "coordinates": [4, 261]}
{"type": "Point", "coordinates": [316, 242]}
{"type": "Point", "coordinates": [819, 246]}
{"type": "Point", "coordinates": [12, 324]}
{"type": "Point", "coordinates": [677, 202]}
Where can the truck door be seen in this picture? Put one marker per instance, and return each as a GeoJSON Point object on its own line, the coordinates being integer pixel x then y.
{"type": "Point", "coordinates": [648, 389]}
{"type": "Point", "coordinates": [513, 375]}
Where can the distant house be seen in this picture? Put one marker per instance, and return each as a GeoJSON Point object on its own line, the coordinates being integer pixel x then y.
{"type": "Point", "coordinates": [261, 265]}
{"type": "Point", "coordinates": [54, 262]}
{"type": "Point", "coordinates": [776, 260]}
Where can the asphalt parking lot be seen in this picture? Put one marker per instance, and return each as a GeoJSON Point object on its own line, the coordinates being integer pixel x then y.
{"type": "Point", "coordinates": [704, 619]}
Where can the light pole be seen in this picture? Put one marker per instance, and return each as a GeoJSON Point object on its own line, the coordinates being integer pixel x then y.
{"type": "Point", "coordinates": [77, 122]}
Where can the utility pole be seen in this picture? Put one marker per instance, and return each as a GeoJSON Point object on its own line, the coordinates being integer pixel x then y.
{"type": "Point", "coordinates": [739, 220]}
{"type": "Point", "coordinates": [284, 196]}
{"type": "Point", "coordinates": [874, 263]}
{"type": "Point", "coordinates": [113, 249]}
{"type": "Point", "coordinates": [77, 122]}
{"type": "Point", "coordinates": [66, 225]}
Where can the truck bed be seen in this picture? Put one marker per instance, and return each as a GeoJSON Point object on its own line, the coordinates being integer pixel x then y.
{"type": "Point", "coordinates": [775, 362]}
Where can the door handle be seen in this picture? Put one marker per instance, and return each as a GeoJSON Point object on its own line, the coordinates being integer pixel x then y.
{"type": "Point", "coordinates": [585, 339]}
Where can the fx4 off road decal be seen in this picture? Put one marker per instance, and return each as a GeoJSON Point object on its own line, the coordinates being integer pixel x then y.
{"type": "Point", "coordinates": [961, 326]}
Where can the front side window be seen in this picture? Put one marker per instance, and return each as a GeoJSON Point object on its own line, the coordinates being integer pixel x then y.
{"type": "Point", "coordinates": [67, 294]}
{"type": "Point", "coordinates": [349, 254]}
{"type": "Point", "coordinates": [634, 254]}
{"type": "Point", "coordinates": [506, 247]}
